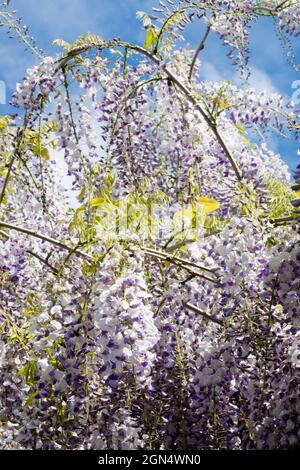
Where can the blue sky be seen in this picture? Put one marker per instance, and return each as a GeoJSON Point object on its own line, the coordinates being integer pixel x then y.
{"type": "Point", "coordinates": [67, 19]}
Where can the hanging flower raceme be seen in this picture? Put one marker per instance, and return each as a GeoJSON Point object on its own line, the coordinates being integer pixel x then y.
{"type": "Point", "coordinates": [127, 332]}
{"type": "Point", "coordinates": [179, 336]}
{"type": "Point", "coordinates": [296, 187]}
{"type": "Point", "coordinates": [289, 18]}
{"type": "Point", "coordinates": [37, 85]}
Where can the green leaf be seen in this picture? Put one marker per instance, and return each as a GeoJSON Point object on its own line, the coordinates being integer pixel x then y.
{"type": "Point", "coordinates": [82, 193]}
{"type": "Point", "coordinates": [151, 39]}
{"type": "Point", "coordinates": [4, 121]}
{"type": "Point", "coordinates": [281, 197]}
{"type": "Point", "coordinates": [98, 201]}
{"type": "Point", "coordinates": [34, 141]}
{"type": "Point", "coordinates": [240, 129]}
{"type": "Point", "coordinates": [30, 399]}
{"type": "Point", "coordinates": [40, 151]}
{"type": "Point", "coordinates": [297, 194]}
{"type": "Point", "coordinates": [109, 181]}
{"type": "Point", "coordinates": [61, 43]}
{"type": "Point", "coordinates": [29, 372]}
{"type": "Point", "coordinates": [103, 200]}
{"type": "Point", "coordinates": [209, 205]}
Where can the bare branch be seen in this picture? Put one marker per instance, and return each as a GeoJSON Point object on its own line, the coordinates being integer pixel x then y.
{"type": "Point", "coordinates": [176, 258]}
{"type": "Point", "coordinates": [245, 369]}
{"type": "Point", "coordinates": [44, 261]}
{"type": "Point", "coordinates": [180, 264]}
{"type": "Point", "coordinates": [283, 220]}
{"type": "Point", "coordinates": [203, 314]}
{"type": "Point", "coordinates": [19, 139]}
{"type": "Point", "coordinates": [4, 235]}
{"type": "Point", "coordinates": [66, 85]}
{"type": "Point", "coordinates": [199, 49]}
{"type": "Point", "coordinates": [5, 183]}
{"type": "Point", "coordinates": [58, 243]}
{"type": "Point", "coordinates": [281, 5]}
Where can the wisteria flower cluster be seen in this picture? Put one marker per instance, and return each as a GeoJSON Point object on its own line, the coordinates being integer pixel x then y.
{"type": "Point", "coordinates": [181, 336]}
{"type": "Point", "coordinates": [230, 19]}
{"type": "Point", "coordinates": [36, 86]}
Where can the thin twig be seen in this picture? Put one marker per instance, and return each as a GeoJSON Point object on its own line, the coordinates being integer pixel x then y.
{"type": "Point", "coordinates": [66, 85]}
{"type": "Point", "coordinates": [203, 314]}
{"type": "Point", "coordinates": [198, 50]}
{"type": "Point", "coordinates": [125, 63]}
{"type": "Point", "coordinates": [4, 234]}
{"type": "Point", "coordinates": [44, 261]}
{"type": "Point", "coordinates": [19, 139]}
{"type": "Point", "coordinates": [170, 249]}
{"type": "Point", "coordinates": [18, 30]}
{"type": "Point", "coordinates": [281, 5]}
{"type": "Point", "coordinates": [283, 219]}
{"type": "Point", "coordinates": [245, 369]}
{"type": "Point", "coordinates": [58, 243]}
{"type": "Point", "coordinates": [274, 11]}
{"type": "Point", "coordinates": [188, 279]}
{"type": "Point", "coordinates": [176, 258]}
{"type": "Point", "coordinates": [165, 24]}
{"type": "Point", "coordinates": [5, 183]}
{"type": "Point", "coordinates": [181, 265]}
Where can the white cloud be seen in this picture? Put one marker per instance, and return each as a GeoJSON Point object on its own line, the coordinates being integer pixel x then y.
{"type": "Point", "coordinates": [209, 72]}
{"type": "Point", "coordinates": [259, 80]}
